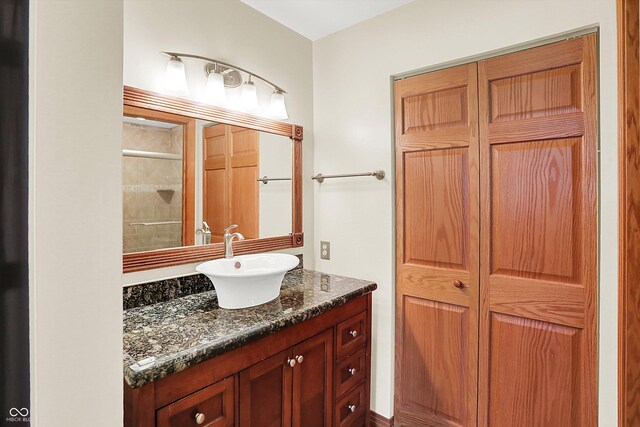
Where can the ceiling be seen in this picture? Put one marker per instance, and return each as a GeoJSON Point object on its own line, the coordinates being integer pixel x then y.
{"type": "Point", "coordinates": [315, 19]}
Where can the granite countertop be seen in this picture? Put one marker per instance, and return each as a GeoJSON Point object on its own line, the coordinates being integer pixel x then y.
{"type": "Point", "coordinates": [168, 337]}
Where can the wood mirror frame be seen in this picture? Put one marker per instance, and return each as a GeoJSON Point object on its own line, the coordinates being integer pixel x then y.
{"type": "Point", "coordinates": [137, 261]}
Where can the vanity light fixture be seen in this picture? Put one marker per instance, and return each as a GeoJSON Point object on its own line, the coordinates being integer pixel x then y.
{"type": "Point", "coordinates": [278, 109]}
{"type": "Point", "coordinates": [175, 79]}
{"type": "Point", "coordinates": [221, 76]}
{"type": "Point", "coordinates": [249, 96]}
{"type": "Point", "coordinates": [215, 92]}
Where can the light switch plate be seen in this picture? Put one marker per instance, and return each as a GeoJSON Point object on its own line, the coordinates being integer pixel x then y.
{"type": "Point", "coordinates": [325, 250]}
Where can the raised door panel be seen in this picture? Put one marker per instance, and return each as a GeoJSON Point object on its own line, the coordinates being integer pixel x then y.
{"type": "Point", "coordinates": [244, 205]}
{"type": "Point", "coordinates": [435, 110]}
{"type": "Point", "coordinates": [214, 203]}
{"type": "Point", "coordinates": [536, 210]}
{"type": "Point", "coordinates": [544, 93]}
{"type": "Point", "coordinates": [436, 248]}
{"type": "Point", "coordinates": [265, 393]}
{"type": "Point", "coordinates": [521, 349]}
{"type": "Point", "coordinates": [215, 182]}
{"type": "Point", "coordinates": [538, 244]}
{"type": "Point", "coordinates": [437, 208]}
{"type": "Point", "coordinates": [312, 381]}
{"type": "Point", "coordinates": [435, 351]}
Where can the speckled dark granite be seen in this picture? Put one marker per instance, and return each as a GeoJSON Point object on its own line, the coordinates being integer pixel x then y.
{"type": "Point", "coordinates": [185, 331]}
{"type": "Point", "coordinates": [168, 289]}
{"type": "Point", "coordinates": [164, 290]}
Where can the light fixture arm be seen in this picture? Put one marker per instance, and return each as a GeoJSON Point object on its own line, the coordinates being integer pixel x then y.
{"type": "Point", "coordinates": [215, 61]}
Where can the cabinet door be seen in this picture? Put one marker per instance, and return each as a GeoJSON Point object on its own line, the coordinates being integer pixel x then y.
{"type": "Point", "coordinates": [437, 210]}
{"type": "Point", "coordinates": [538, 139]}
{"type": "Point", "coordinates": [265, 393]}
{"type": "Point", "coordinates": [312, 379]}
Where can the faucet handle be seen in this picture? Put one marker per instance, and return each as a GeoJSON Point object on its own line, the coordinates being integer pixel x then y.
{"type": "Point", "coordinates": [205, 226]}
{"type": "Point", "coordinates": [229, 228]}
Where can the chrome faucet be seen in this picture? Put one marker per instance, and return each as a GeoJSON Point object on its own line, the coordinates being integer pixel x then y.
{"type": "Point", "coordinates": [228, 240]}
{"type": "Point", "coordinates": [206, 233]}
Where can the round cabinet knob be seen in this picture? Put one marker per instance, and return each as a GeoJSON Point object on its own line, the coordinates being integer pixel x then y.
{"type": "Point", "coordinates": [300, 359]}
{"type": "Point", "coordinates": [352, 371]}
{"type": "Point", "coordinates": [352, 408]}
{"type": "Point", "coordinates": [291, 362]}
{"type": "Point", "coordinates": [353, 333]}
{"type": "Point", "coordinates": [458, 284]}
{"type": "Point", "coordinates": [200, 418]}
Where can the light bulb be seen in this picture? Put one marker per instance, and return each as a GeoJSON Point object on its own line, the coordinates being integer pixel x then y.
{"type": "Point", "coordinates": [249, 97]}
{"type": "Point", "coordinates": [278, 110]}
{"type": "Point", "coordinates": [175, 79]}
{"type": "Point", "coordinates": [215, 92]}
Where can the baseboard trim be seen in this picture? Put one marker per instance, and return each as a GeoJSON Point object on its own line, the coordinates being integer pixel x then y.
{"type": "Point", "coordinates": [377, 420]}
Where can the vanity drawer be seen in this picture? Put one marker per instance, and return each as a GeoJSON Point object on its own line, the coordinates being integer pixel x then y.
{"type": "Point", "coordinates": [350, 371]}
{"type": "Point", "coordinates": [212, 406]}
{"type": "Point", "coordinates": [350, 410]}
{"type": "Point", "coordinates": [352, 334]}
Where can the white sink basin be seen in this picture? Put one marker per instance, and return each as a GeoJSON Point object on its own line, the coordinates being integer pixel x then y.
{"type": "Point", "coordinates": [247, 280]}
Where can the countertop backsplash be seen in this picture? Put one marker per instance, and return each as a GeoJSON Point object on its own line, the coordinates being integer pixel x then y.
{"type": "Point", "coordinates": [168, 289]}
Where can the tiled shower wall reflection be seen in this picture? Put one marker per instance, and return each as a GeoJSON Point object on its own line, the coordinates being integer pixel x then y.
{"type": "Point", "coordinates": [151, 189]}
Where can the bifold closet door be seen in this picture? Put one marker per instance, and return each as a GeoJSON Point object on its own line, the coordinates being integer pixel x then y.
{"type": "Point", "coordinates": [538, 237]}
{"type": "Point", "coordinates": [437, 181]}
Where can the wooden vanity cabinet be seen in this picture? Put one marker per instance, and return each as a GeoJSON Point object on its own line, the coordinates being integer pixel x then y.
{"type": "Point", "coordinates": [312, 374]}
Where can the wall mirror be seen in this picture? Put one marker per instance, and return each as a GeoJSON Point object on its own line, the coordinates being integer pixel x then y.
{"type": "Point", "coordinates": [190, 170]}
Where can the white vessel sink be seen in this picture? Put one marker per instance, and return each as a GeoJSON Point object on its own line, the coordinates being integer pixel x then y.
{"type": "Point", "coordinates": [247, 280]}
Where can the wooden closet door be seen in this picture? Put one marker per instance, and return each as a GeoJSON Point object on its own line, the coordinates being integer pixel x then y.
{"type": "Point", "coordinates": [538, 253]}
{"type": "Point", "coordinates": [437, 248]}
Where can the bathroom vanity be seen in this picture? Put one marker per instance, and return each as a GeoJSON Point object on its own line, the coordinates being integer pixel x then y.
{"type": "Point", "coordinates": [300, 360]}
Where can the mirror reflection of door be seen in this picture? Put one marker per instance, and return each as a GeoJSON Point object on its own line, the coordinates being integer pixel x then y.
{"type": "Point", "coordinates": [230, 186]}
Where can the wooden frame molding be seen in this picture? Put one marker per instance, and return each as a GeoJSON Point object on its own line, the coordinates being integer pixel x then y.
{"type": "Point", "coordinates": [628, 13]}
{"type": "Point", "coordinates": [138, 100]}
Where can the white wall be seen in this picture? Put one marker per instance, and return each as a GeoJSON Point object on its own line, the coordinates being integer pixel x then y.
{"type": "Point", "coordinates": [75, 212]}
{"type": "Point", "coordinates": [233, 32]}
{"type": "Point", "coordinates": [275, 162]}
{"type": "Point", "coordinates": [353, 132]}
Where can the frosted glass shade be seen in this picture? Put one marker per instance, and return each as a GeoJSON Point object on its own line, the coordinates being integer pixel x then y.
{"type": "Point", "coordinates": [278, 110]}
{"type": "Point", "coordinates": [215, 92]}
{"type": "Point", "coordinates": [175, 79]}
{"type": "Point", "coordinates": [249, 100]}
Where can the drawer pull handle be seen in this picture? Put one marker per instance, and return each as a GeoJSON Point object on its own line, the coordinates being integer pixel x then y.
{"type": "Point", "coordinates": [200, 418]}
{"type": "Point", "coordinates": [291, 362]}
{"type": "Point", "coordinates": [352, 408]}
{"type": "Point", "coordinates": [300, 359]}
{"type": "Point", "coordinates": [458, 284]}
{"type": "Point", "coordinates": [352, 371]}
{"type": "Point", "coordinates": [353, 333]}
